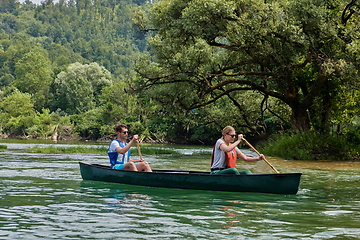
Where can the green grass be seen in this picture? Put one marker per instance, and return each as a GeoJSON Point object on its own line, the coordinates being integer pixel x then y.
{"type": "Point", "coordinates": [311, 146]}
{"type": "Point", "coordinates": [3, 148]}
{"type": "Point", "coordinates": [96, 150]}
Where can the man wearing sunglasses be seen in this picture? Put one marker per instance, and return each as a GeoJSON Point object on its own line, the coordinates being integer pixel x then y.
{"type": "Point", "coordinates": [119, 152]}
{"type": "Point", "coordinates": [226, 152]}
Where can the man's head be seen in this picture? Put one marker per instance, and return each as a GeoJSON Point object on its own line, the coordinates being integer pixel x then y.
{"type": "Point", "coordinates": [121, 128]}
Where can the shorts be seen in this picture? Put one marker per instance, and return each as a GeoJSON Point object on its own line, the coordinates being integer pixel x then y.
{"type": "Point", "coordinates": [120, 166]}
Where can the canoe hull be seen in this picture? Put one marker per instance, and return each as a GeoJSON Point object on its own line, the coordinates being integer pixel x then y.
{"type": "Point", "coordinates": [280, 183]}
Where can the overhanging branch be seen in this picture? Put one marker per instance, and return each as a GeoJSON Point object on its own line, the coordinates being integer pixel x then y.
{"type": "Point", "coordinates": [348, 11]}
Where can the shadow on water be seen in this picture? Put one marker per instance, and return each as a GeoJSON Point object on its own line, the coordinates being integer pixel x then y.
{"type": "Point", "coordinates": [180, 199]}
{"type": "Point", "coordinates": [166, 193]}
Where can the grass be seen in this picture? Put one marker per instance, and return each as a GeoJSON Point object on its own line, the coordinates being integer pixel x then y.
{"type": "Point", "coordinates": [3, 148]}
{"type": "Point", "coordinates": [311, 146]}
{"type": "Point", "coordinates": [96, 150]}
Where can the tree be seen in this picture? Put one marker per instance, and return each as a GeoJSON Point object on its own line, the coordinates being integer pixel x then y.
{"type": "Point", "coordinates": [16, 109]}
{"type": "Point", "coordinates": [119, 105]}
{"type": "Point", "coordinates": [79, 86]}
{"type": "Point", "coordinates": [299, 52]}
{"type": "Point", "coordinates": [17, 104]}
{"type": "Point", "coordinates": [7, 5]}
{"type": "Point", "coordinates": [34, 76]}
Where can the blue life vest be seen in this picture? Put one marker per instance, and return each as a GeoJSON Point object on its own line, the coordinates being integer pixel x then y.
{"type": "Point", "coordinates": [115, 155]}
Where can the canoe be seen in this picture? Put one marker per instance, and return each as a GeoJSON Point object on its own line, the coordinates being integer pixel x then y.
{"type": "Point", "coordinates": [280, 183]}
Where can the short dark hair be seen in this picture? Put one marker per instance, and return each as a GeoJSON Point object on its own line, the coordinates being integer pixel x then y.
{"type": "Point", "coordinates": [119, 127]}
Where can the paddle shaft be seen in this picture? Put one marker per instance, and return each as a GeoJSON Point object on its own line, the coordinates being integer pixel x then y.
{"type": "Point", "coordinates": [138, 147]}
{"type": "Point", "coordinates": [259, 155]}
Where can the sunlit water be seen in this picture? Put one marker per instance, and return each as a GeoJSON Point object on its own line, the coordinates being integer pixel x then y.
{"type": "Point", "coordinates": [42, 196]}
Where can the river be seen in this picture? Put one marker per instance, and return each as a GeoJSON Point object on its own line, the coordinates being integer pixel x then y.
{"type": "Point", "coordinates": [42, 196]}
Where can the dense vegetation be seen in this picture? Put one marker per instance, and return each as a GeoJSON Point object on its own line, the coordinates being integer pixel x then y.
{"type": "Point", "coordinates": [296, 63]}
{"type": "Point", "coordinates": [180, 70]}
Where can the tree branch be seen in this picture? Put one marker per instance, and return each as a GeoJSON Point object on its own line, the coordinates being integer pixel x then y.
{"type": "Point", "coordinates": [242, 112]}
{"type": "Point", "coordinates": [349, 8]}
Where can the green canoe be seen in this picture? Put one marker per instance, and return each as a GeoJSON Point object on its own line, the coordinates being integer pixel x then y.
{"type": "Point", "coordinates": [281, 183]}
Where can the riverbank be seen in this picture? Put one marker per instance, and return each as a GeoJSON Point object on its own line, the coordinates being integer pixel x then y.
{"type": "Point", "coordinates": [290, 146]}
{"type": "Point", "coordinates": [87, 150]}
{"type": "Point", "coordinates": [73, 137]}
{"type": "Point", "coordinates": [313, 146]}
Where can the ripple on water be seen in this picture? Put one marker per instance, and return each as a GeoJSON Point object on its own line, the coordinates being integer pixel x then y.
{"type": "Point", "coordinates": [42, 196]}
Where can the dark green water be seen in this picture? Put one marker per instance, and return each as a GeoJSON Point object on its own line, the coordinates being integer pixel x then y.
{"type": "Point", "coordinates": [42, 196]}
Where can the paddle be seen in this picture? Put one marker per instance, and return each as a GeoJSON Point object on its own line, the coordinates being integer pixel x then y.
{"type": "Point", "coordinates": [259, 155]}
{"type": "Point", "coordinates": [138, 147]}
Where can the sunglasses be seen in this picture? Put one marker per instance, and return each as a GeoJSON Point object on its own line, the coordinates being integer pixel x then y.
{"type": "Point", "coordinates": [125, 132]}
{"type": "Point", "coordinates": [232, 135]}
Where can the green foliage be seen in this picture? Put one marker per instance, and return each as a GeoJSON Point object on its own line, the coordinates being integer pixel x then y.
{"type": "Point", "coordinates": [204, 135]}
{"type": "Point", "coordinates": [119, 104]}
{"type": "Point", "coordinates": [55, 149]}
{"type": "Point", "coordinates": [18, 116]}
{"type": "Point", "coordinates": [312, 146]}
{"type": "Point", "coordinates": [292, 51]}
{"type": "Point", "coordinates": [43, 124]}
{"type": "Point", "coordinates": [7, 6]}
{"type": "Point", "coordinates": [16, 110]}
{"type": "Point", "coordinates": [64, 56]}
{"type": "Point", "coordinates": [34, 75]}
{"type": "Point", "coordinates": [75, 45]}
{"type": "Point", "coordinates": [260, 66]}
{"type": "Point", "coordinates": [79, 86]}
{"type": "Point", "coordinates": [16, 103]}
{"type": "Point", "coordinates": [353, 134]}
{"type": "Point", "coordinates": [3, 148]}
{"type": "Point", "coordinates": [89, 124]}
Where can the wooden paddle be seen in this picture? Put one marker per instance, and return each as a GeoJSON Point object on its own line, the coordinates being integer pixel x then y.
{"type": "Point", "coordinates": [138, 147]}
{"type": "Point", "coordinates": [259, 155]}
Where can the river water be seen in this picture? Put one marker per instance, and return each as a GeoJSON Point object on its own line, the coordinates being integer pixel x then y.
{"type": "Point", "coordinates": [42, 196]}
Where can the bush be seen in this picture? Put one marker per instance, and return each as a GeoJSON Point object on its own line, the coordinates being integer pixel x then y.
{"type": "Point", "coordinates": [311, 146]}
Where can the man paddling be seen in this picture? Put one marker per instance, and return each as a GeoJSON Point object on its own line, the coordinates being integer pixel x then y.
{"type": "Point", "coordinates": [119, 152]}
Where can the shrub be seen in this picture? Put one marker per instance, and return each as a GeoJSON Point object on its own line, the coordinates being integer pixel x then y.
{"type": "Point", "coordinates": [310, 146]}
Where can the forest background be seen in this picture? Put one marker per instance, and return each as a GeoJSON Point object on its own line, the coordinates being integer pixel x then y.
{"type": "Point", "coordinates": [284, 73]}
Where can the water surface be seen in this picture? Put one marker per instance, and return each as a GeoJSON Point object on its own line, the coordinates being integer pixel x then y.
{"type": "Point", "coordinates": [42, 196]}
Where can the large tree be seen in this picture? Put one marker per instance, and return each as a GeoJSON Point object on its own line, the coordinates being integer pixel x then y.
{"type": "Point", "coordinates": [303, 53]}
{"type": "Point", "coordinates": [34, 75]}
{"type": "Point", "coordinates": [78, 88]}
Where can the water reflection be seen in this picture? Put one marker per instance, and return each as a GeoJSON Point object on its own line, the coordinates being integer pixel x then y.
{"type": "Point", "coordinates": [301, 215]}
{"type": "Point", "coordinates": [198, 208]}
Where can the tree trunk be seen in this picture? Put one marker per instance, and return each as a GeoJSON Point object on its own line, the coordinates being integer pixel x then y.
{"type": "Point", "coordinates": [325, 116]}
{"type": "Point", "coordinates": [300, 119]}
